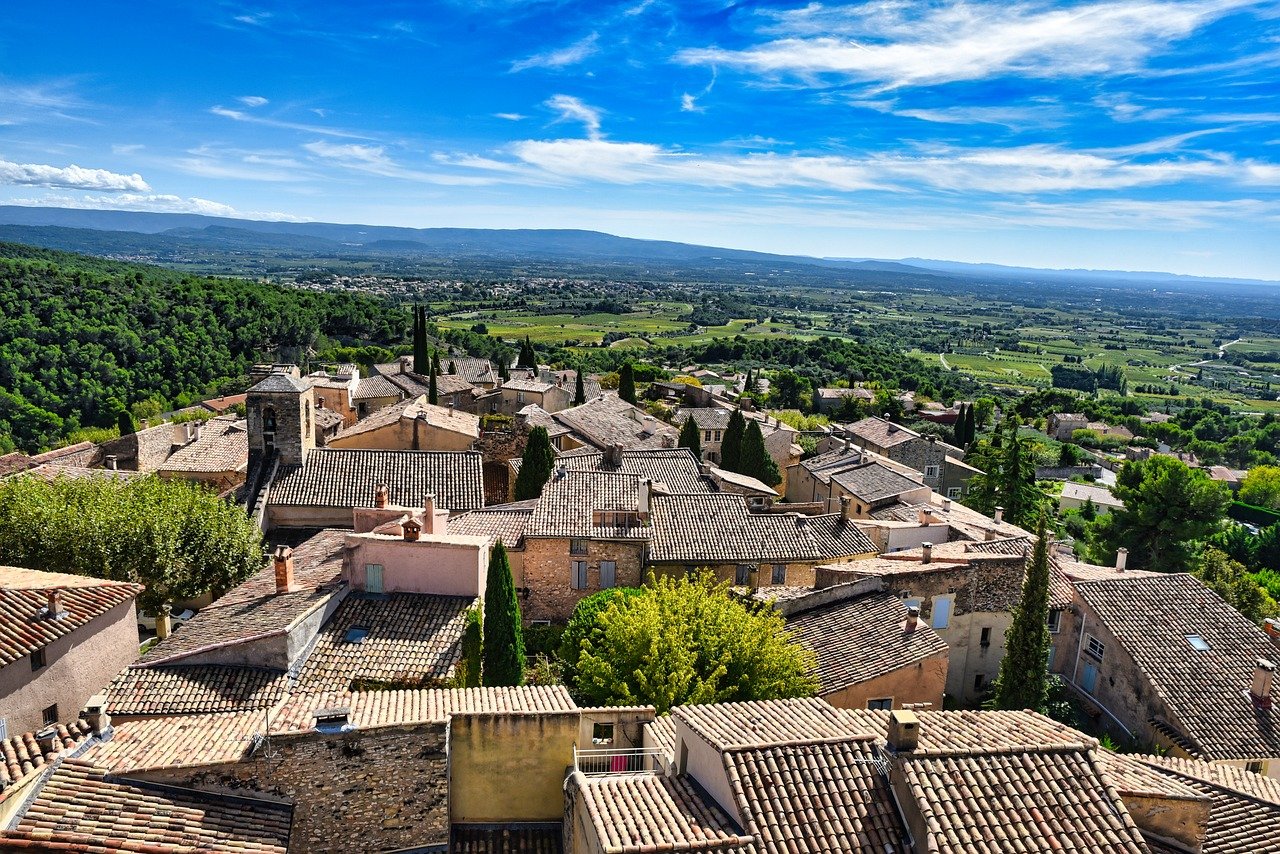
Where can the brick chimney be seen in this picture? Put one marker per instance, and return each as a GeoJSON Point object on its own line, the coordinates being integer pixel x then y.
{"type": "Point", "coordinates": [913, 619]}
{"type": "Point", "coordinates": [381, 496]}
{"type": "Point", "coordinates": [1260, 691]}
{"type": "Point", "coordinates": [283, 559]}
{"type": "Point", "coordinates": [926, 552]}
{"type": "Point", "coordinates": [429, 513]}
{"type": "Point", "coordinates": [54, 609]}
{"type": "Point", "coordinates": [922, 516]}
{"type": "Point", "coordinates": [1122, 558]}
{"type": "Point", "coordinates": [904, 731]}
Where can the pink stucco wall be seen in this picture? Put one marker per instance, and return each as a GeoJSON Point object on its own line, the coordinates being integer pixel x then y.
{"type": "Point", "coordinates": [453, 566]}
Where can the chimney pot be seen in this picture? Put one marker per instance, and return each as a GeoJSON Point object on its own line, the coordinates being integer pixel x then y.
{"type": "Point", "coordinates": [946, 505]}
{"type": "Point", "coordinates": [904, 730]}
{"type": "Point", "coordinates": [642, 495]}
{"type": "Point", "coordinates": [1122, 558]}
{"type": "Point", "coordinates": [53, 604]}
{"type": "Point", "coordinates": [95, 714]}
{"type": "Point", "coordinates": [112, 462]}
{"type": "Point", "coordinates": [164, 621]}
{"type": "Point", "coordinates": [845, 503]}
{"type": "Point", "coordinates": [926, 550]}
{"type": "Point", "coordinates": [913, 619]}
{"type": "Point", "coordinates": [411, 529]}
{"type": "Point", "coordinates": [381, 496]}
{"type": "Point", "coordinates": [283, 559]}
{"type": "Point", "coordinates": [999, 517]}
{"type": "Point", "coordinates": [47, 740]}
{"type": "Point", "coordinates": [1260, 690]}
{"type": "Point", "coordinates": [991, 534]}
{"type": "Point", "coordinates": [429, 513]}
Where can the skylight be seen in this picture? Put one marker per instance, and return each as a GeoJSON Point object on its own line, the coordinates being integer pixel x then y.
{"type": "Point", "coordinates": [356, 634]}
{"type": "Point", "coordinates": [1198, 643]}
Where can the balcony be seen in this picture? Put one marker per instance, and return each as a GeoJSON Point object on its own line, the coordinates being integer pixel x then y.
{"type": "Point", "coordinates": [628, 760]}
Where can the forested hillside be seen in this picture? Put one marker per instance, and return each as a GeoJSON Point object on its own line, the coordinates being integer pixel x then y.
{"type": "Point", "coordinates": [82, 338]}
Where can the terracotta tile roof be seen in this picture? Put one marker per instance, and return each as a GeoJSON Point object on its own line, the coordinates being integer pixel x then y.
{"type": "Point", "coordinates": [21, 754]}
{"type": "Point", "coordinates": [506, 839]}
{"type": "Point", "coordinates": [317, 562]}
{"type": "Point", "coordinates": [443, 417]}
{"type": "Point", "coordinates": [1244, 816]}
{"type": "Point", "coordinates": [881, 433]}
{"type": "Point", "coordinates": [569, 501]}
{"type": "Point", "coordinates": [863, 637]}
{"type": "Point", "coordinates": [163, 742]}
{"type": "Point", "coordinates": [1206, 691]}
{"type": "Point", "coordinates": [25, 624]}
{"type": "Point", "coordinates": [411, 641]}
{"type": "Point", "coordinates": [222, 404]}
{"type": "Point", "coordinates": [381, 386]}
{"type": "Point", "coordinates": [326, 418]}
{"type": "Point", "coordinates": [1132, 776]}
{"type": "Point", "coordinates": [765, 723]}
{"type": "Point", "coordinates": [189, 690]}
{"type": "Point", "coordinates": [1259, 786]}
{"type": "Point", "coordinates": [421, 705]}
{"type": "Point", "coordinates": [743, 481]}
{"type": "Point", "coordinates": [651, 813]}
{"type": "Point", "coordinates": [506, 522]}
{"type": "Point", "coordinates": [608, 419]}
{"type": "Point", "coordinates": [78, 809]}
{"type": "Point", "coordinates": [815, 796]}
{"type": "Point", "coordinates": [1032, 800]}
{"type": "Point", "coordinates": [675, 468]}
{"type": "Point", "coordinates": [718, 528]}
{"type": "Point", "coordinates": [1099, 495]}
{"type": "Point", "coordinates": [662, 734]}
{"type": "Point", "coordinates": [278, 382]}
{"type": "Point", "coordinates": [875, 482]}
{"type": "Point", "coordinates": [223, 446]}
{"type": "Point", "coordinates": [346, 477]}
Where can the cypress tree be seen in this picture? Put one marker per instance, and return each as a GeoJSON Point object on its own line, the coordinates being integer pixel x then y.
{"type": "Point", "coordinates": [528, 358]}
{"type": "Point", "coordinates": [1024, 677]}
{"type": "Point", "coordinates": [957, 429]}
{"type": "Point", "coordinates": [503, 646]}
{"type": "Point", "coordinates": [970, 426]}
{"type": "Point", "coordinates": [421, 356]}
{"type": "Point", "coordinates": [124, 420]}
{"type": "Point", "coordinates": [756, 461]}
{"type": "Point", "coordinates": [472, 648]}
{"type": "Point", "coordinates": [453, 367]}
{"type": "Point", "coordinates": [731, 446]}
{"type": "Point", "coordinates": [435, 362]}
{"type": "Point", "coordinates": [536, 464]}
{"type": "Point", "coordinates": [746, 385]}
{"type": "Point", "coordinates": [504, 373]}
{"type": "Point", "coordinates": [579, 392]}
{"type": "Point", "coordinates": [691, 437]}
{"type": "Point", "coordinates": [433, 395]}
{"type": "Point", "coordinates": [627, 384]}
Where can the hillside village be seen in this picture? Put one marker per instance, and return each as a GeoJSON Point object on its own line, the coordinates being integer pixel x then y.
{"type": "Point", "coordinates": [316, 706]}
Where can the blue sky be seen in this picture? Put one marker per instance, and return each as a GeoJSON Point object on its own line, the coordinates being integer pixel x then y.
{"type": "Point", "coordinates": [1129, 134]}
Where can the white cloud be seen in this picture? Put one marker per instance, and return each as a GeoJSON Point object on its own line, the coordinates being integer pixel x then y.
{"type": "Point", "coordinates": [71, 177]}
{"type": "Point", "coordinates": [511, 117]}
{"type": "Point", "coordinates": [1139, 215]}
{"type": "Point", "coordinates": [374, 160]}
{"type": "Point", "coordinates": [1013, 117]}
{"type": "Point", "coordinates": [130, 148]}
{"type": "Point", "coordinates": [562, 58]}
{"type": "Point", "coordinates": [689, 104]}
{"type": "Point", "coordinates": [241, 116]}
{"type": "Point", "coordinates": [210, 161]}
{"type": "Point", "coordinates": [159, 203]}
{"type": "Point", "coordinates": [894, 44]}
{"type": "Point", "coordinates": [573, 109]}
{"type": "Point", "coordinates": [253, 100]}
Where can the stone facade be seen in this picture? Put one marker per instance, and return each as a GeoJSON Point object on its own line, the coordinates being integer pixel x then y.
{"type": "Point", "coordinates": [281, 420]}
{"type": "Point", "coordinates": [548, 573]}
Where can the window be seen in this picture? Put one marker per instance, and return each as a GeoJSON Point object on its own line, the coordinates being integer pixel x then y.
{"type": "Point", "coordinates": [50, 715]}
{"type": "Point", "coordinates": [268, 419]}
{"type": "Point", "coordinates": [602, 733]}
{"type": "Point", "coordinates": [719, 434]}
{"type": "Point", "coordinates": [979, 682]}
{"type": "Point", "coordinates": [1089, 679]}
{"type": "Point", "coordinates": [577, 547]}
{"type": "Point", "coordinates": [519, 397]}
{"type": "Point", "coordinates": [779, 573]}
{"type": "Point", "coordinates": [356, 634]}
{"type": "Point", "coordinates": [37, 660]}
{"type": "Point", "coordinates": [1254, 767]}
{"type": "Point", "coordinates": [930, 471]}
{"type": "Point", "coordinates": [579, 580]}
{"type": "Point", "coordinates": [1055, 622]}
{"type": "Point", "coordinates": [706, 435]}
{"type": "Point", "coordinates": [608, 574]}
{"type": "Point", "coordinates": [953, 492]}
{"type": "Point", "coordinates": [373, 578]}
{"type": "Point", "coordinates": [910, 602]}
{"type": "Point", "coordinates": [986, 636]}
{"type": "Point", "coordinates": [1094, 647]}
{"type": "Point", "coordinates": [742, 575]}
{"type": "Point", "coordinates": [1198, 643]}
{"type": "Point", "coordinates": [885, 703]}
{"type": "Point", "coordinates": [941, 612]}
{"type": "Point", "coordinates": [493, 406]}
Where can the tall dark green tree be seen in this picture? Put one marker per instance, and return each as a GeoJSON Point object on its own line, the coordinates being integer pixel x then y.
{"type": "Point", "coordinates": [731, 445]}
{"type": "Point", "coordinates": [536, 464]}
{"type": "Point", "coordinates": [528, 358]}
{"type": "Point", "coordinates": [472, 648]}
{"type": "Point", "coordinates": [691, 437]}
{"type": "Point", "coordinates": [627, 383]}
{"type": "Point", "coordinates": [1008, 479]}
{"type": "Point", "coordinates": [421, 356]}
{"type": "Point", "coordinates": [433, 393]}
{"type": "Point", "coordinates": [435, 362]}
{"type": "Point", "coordinates": [970, 426]}
{"type": "Point", "coordinates": [756, 461]}
{"type": "Point", "coordinates": [503, 647]}
{"type": "Point", "coordinates": [958, 429]}
{"type": "Point", "coordinates": [1023, 682]}
{"type": "Point", "coordinates": [124, 420]}
{"type": "Point", "coordinates": [579, 392]}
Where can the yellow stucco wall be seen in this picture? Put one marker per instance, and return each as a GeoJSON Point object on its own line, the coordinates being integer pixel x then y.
{"type": "Point", "coordinates": [509, 767]}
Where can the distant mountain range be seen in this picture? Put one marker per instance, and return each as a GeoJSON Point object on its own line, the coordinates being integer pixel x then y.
{"type": "Point", "coordinates": [166, 236]}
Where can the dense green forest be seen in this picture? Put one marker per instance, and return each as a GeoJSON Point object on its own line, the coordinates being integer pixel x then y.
{"type": "Point", "coordinates": [83, 338]}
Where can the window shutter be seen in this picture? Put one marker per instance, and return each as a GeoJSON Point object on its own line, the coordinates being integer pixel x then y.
{"type": "Point", "coordinates": [608, 574]}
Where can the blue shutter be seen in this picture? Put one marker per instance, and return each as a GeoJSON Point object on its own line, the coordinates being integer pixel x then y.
{"type": "Point", "coordinates": [941, 613]}
{"type": "Point", "coordinates": [608, 574]}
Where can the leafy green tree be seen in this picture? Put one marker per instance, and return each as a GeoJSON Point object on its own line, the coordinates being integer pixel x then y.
{"type": "Point", "coordinates": [691, 437]}
{"type": "Point", "coordinates": [535, 465]}
{"type": "Point", "coordinates": [1231, 580]}
{"type": "Point", "coordinates": [582, 622]}
{"type": "Point", "coordinates": [790, 390]}
{"type": "Point", "coordinates": [1261, 487]}
{"type": "Point", "coordinates": [1168, 509]}
{"type": "Point", "coordinates": [731, 444]}
{"type": "Point", "coordinates": [756, 461]}
{"type": "Point", "coordinates": [1008, 479]}
{"type": "Point", "coordinates": [688, 641]}
{"type": "Point", "coordinates": [1024, 670]}
{"type": "Point", "coordinates": [503, 646]}
{"type": "Point", "coordinates": [173, 536]}
{"type": "Point", "coordinates": [579, 391]}
{"type": "Point", "coordinates": [984, 411]}
{"type": "Point", "coordinates": [124, 423]}
{"type": "Point", "coordinates": [1239, 544]}
{"type": "Point", "coordinates": [472, 649]}
{"type": "Point", "coordinates": [627, 383]}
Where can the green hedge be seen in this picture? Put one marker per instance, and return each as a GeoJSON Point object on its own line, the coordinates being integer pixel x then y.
{"type": "Point", "coordinates": [1261, 516]}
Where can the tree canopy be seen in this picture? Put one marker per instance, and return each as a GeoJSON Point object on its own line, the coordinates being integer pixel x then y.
{"type": "Point", "coordinates": [755, 460]}
{"type": "Point", "coordinates": [688, 641]}
{"type": "Point", "coordinates": [176, 537]}
{"type": "Point", "coordinates": [731, 444]}
{"type": "Point", "coordinates": [691, 437]}
{"type": "Point", "coordinates": [627, 383]}
{"type": "Point", "coordinates": [535, 465]}
{"type": "Point", "coordinates": [1261, 487]}
{"type": "Point", "coordinates": [1024, 670]}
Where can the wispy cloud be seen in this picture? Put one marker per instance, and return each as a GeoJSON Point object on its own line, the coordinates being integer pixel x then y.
{"type": "Point", "coordinates": [897, 44]}
{"type": "Point", "coordinates": [561, 58]}
{"type": "Point", "coordinates": [253, 100]}
{"type": "Point", "coordinates": [511, 117]}
{"type": "Point", "coordinates": [374, 160]}
{"type": "Point", "coordinates": [573, 109]}
{"type": "Point", "coordinates": [209, 161]}
{"type": "Point", "coordinates": [241, 116]}
{"type": "Point", "coordinates": [71, 177]}
{"type": "Point", "coordinates": [23, 103]}
{"type": "Point", "coordinates": [1014, 117]}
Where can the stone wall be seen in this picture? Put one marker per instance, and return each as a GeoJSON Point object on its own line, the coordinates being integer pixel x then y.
{"type": "Point", "coordinates": [371, 790]}
{"type": "Point", "coordinates": [548, 573]}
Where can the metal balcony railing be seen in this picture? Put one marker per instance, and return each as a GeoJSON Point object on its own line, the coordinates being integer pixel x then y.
{"type": "Point", "coordinates": [629, 760]}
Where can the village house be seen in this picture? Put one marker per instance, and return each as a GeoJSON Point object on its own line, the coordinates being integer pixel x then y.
{"type": "Point", "coordinates": [941, 464]}
{"type": "Point", "coordinates": [522, 389]}
{"type": "Point", "coordinates": [413, 425]}
{"type": "Point", "coordinates": [607, 420]}
{"type": "Point", "coordinates": [217, 457]}
{"type": "Point", "coordinates": [62, 637]}
{"type": "Point", "coordinates": [1061, 425]}
{"type": "Point", "coordinates": [779, 438]}
{"type": "Point", "coordinates": [829, 400]}
{"type": "Point", "coordinates": [1076, 495]}
{"type": "Point", "coordinates": [335, 390]}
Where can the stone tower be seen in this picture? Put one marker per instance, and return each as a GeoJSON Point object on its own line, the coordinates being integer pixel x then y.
{"type": "Point", "coordinates": [280, 411]}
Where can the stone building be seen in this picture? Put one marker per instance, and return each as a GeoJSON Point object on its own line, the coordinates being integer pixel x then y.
{"type": "Point", "coordinates": [925, 454]}
{"type": "Point", "coordinates": [1062, 424]}
{"type": "Point", "coordinates": [218, 457]}
{"type": "Point", "coordinates": [779, 439]}
{"type": "Point", "coordinates": [62, 637]}
{"type": "Point", "coordinates": [279, 411]}
{"type": "Point", "coordinates": [522, 389]}
{"type": "Point", "coordinates": [413, 425]}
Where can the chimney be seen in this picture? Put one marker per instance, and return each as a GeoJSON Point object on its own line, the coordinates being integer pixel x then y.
{"type": "Point", "coordinates": [381, 496]}
{"type": "Point", "coordinates": [946, 505]}
{"type": "Point", "coordinates": [926, 552]}
{"type": "Point", "coordinates": [412, 529]}
{"type": "Point", "coordinates": [95, 714]}
{"type": "Point", "coordinates": [1260, 690]}
{"type": "Point", "coordinates": [429, 513]}
{"type": "Point", "coordinates": [922, 516]}
{"type": "Point", "coordinates": [112, 462]}
{"type": "Point", "coordinates": [913, 619]}
{"type": "Point", "coordinates": [991, 534]}
{"type": "Point", "coordinates": [283, 558]}
{"type": "Point", "coordinates": [1122, 558]}
{"type": "Point", "coordinates": [904, 731]}
{"type": "Point", "coordinates": [164, 622]}
{"type": "Point", "coordinates": [47, 740]}
{"type": "Point", "coordinates": [704, 468]}
{"type": "Point", "coordinates": [845, 503]}
{"type": "Point", "coordinates": [614, 456]}
{"type": "Point", "coordinates": [999, 517]}
{"type": "Point", "coordinates": [669, 440]}
{"type": "Point", "coordinates": [642, 495]}
{"type": "Point", "coordinates": [848, 446]}
{"type": "Point", "coordinates": [53, 604]}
